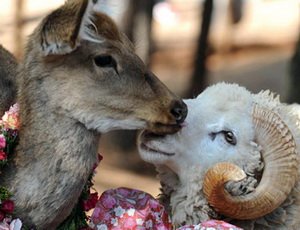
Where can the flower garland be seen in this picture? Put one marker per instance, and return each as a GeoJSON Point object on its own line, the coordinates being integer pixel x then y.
{"type": "Point", "coordinates": [8, 140]}
{"type": "Point", "coordinates": [116, 209]}
{"type": "Point", "coordinates": [78, 219]}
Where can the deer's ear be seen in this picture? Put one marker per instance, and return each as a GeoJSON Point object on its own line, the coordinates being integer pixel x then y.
{"type": "Point", "coordinates": [63, 30]}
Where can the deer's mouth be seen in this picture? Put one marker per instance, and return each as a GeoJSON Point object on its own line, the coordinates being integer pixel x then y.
{"type": "Point", "coordinates": [160, 129]}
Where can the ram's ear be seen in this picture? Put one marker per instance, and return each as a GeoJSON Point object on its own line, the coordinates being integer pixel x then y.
{"type": "Point", "coordinates": [62, 31]}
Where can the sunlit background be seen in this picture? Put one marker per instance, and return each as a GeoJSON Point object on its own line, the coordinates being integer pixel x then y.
{"type": "Point", "coordinates": [188, 44]}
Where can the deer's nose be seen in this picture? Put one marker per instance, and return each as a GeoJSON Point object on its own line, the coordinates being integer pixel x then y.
{"type": "Point", "coordinates": [179, 111]}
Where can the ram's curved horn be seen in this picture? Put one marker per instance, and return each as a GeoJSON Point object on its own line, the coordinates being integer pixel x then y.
{"type": "Point", "coordinates": [279, 176]}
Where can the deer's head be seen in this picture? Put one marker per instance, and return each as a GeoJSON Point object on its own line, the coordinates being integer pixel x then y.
{"type": "Point", "coordinates": [88, 71]}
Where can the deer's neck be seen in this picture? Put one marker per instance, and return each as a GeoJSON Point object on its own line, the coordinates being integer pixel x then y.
{"type": "Point", "coordinates": [54, 159]}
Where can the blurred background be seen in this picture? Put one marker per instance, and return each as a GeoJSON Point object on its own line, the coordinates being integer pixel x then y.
{"type": "Point", "coordinates": [188, 44]}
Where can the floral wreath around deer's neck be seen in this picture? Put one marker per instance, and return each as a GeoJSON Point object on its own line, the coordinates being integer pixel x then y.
{"type": "Point", "coordinates": [78, 219]}
{"type": "Point", "coordinates": [113, 203]}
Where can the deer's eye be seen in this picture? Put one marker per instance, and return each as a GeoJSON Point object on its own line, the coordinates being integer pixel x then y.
{"type": "Point", "coordinates": [105, 61]}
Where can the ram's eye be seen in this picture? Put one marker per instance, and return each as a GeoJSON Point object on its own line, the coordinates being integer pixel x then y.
{"type": "Point", "coordinates": [105, 61]}
{"type": "Point", "coordinates": [230, 137]}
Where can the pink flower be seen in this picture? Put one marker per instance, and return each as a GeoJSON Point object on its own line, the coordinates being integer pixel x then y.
{"type": "Point", "coordinates": [14, 108]}
{"type": "Point", "coordinates": [7, 224]}
{"type": "Point", "coordinates": [15, 225]}
{"type": "Point", "coordinates": [163, 227]}
{"type": "Point", "coordinates": [10, 119]}
{"type": "Point", "coordinates": [2, 141]}
{"type": "Point", "coordinates": [2, 155]}
{"type": "Point", "coordinates": [108, 201]}
{"type": "Point", "coordinates": [125, 192]}
{"type": "Point", "coordinates": [129, 223]}
{"type": "Point", "coordinates": [4, 225]}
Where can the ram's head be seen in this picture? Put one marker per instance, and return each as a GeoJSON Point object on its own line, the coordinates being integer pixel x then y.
{"type": "Point", "coordinates": [255, 133]}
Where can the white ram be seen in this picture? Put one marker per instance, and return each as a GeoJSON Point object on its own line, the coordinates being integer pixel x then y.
{"type": "Point", "coordinates": [227, 123]}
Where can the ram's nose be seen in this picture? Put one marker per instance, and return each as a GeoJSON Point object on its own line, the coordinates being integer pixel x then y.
{"type": "Point", "coordinates": [179, 111]}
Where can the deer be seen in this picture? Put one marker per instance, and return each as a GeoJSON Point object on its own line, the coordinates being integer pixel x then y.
{"type": "Point", "coordinates": [79, 78]}
{"type": "Point", "coordinates": [8, 73]}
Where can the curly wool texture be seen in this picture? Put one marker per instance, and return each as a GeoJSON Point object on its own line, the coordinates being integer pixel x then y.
{"type": "Point", "coordinates": [186, 198]}
{"type": "Point", "coordinates": [186, 202]}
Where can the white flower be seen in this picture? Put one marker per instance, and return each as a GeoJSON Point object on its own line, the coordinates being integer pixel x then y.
{"type": "Point", "coordinates": [102, 227]}
{"type": "Point", "coordinates": [197, 227]}
{"type": "Point", "coordinates": [149, 224]}
{"type": "Point", "coordinates": [14, 108]}
{"type": "Point", "coordinates": [131, 212]}
{"type": "Point", "coordinates": [15, 224]}
{"type": "Point", "coordinates": [157, 216]}
{"type": "Point", "coordinates": [139, 221]}
{"type": "Point", "coordinates": [114, 222]}
{"type": "Point", "coordinates": [119, 211]}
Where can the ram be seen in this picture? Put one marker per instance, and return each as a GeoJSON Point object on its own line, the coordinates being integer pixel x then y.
{"type": "Point", "coordinates": [236, 158]}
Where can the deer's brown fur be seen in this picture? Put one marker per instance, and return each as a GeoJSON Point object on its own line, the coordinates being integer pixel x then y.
{"type": "Point", "coordinates": [67, 101]}
{"type": "Point", "coordinates": [8, 73]}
